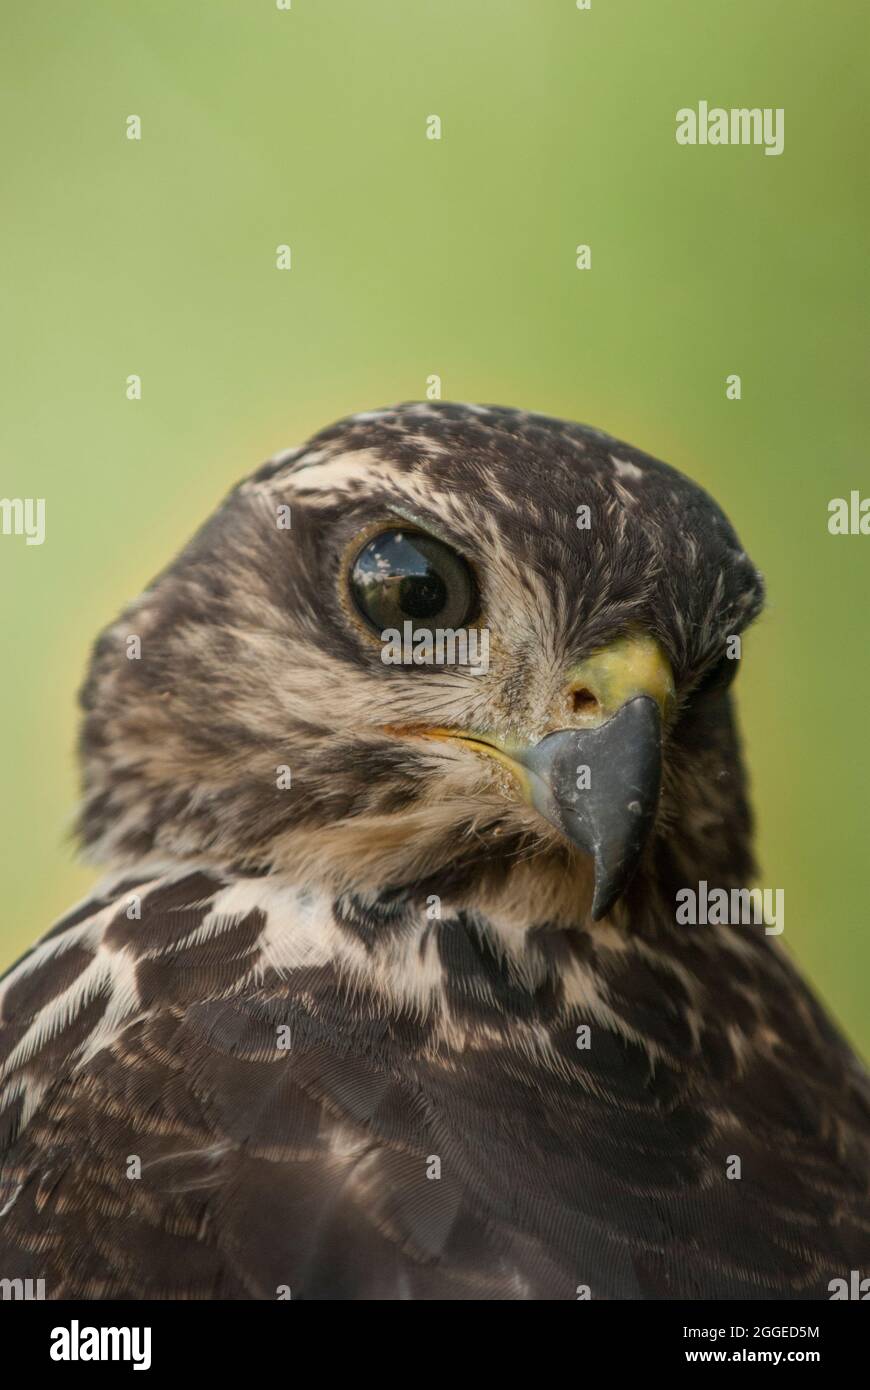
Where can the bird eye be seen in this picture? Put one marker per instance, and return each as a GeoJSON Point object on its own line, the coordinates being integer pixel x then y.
{"type": "Point", "coordinates": [401, 576]}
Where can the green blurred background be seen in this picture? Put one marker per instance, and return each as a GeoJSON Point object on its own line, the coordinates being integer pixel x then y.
{"type": "Point", "coordinates": [413, 257]}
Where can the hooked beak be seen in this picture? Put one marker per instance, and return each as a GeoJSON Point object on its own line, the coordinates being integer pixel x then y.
{"type": "Point", "coordinates": [600, 788]}
{"type": "Point", "coordinates": [598, 781]}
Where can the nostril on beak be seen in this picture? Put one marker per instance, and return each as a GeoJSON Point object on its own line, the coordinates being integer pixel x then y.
{"type": "Point", "coordinates": [584, 701]}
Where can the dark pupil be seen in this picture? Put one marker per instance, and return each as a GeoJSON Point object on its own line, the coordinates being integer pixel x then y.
{"type": "Point", "coordinates": [422, 595]}
{"type": "Point", "coordinates": [402, 576]}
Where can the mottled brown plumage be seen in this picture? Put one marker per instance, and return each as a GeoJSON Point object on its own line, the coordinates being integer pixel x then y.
{"type": "Point", "coordinates": [259, 1005]}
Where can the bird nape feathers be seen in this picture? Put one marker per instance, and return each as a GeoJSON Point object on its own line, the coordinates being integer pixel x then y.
{"type": "Point", "coordinates": [385, 995]}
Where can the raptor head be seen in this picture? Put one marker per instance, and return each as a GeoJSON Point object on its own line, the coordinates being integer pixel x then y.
{"type": "Point", "coordinates": [433, 646]}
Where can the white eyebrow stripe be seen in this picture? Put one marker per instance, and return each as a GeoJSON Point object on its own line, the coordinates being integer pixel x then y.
{"type": "Point", "coordinates": [325, 474]}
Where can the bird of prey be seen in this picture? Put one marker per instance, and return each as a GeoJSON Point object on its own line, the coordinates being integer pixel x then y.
{"type": "Point", "coordinates": [384, 995]}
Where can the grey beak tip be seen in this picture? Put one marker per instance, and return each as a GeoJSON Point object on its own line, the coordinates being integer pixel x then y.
{"type": "Point", "coordinates": [612, 817]}
{"type": "Point", "coordinates": [601, 902]}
